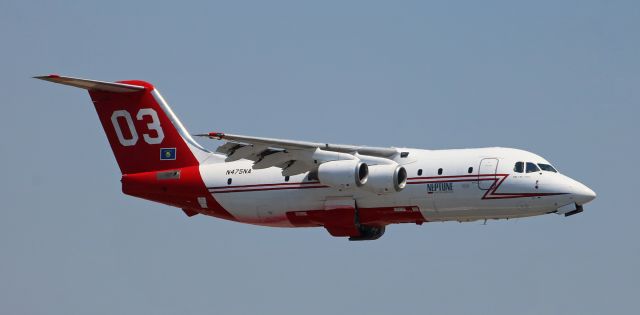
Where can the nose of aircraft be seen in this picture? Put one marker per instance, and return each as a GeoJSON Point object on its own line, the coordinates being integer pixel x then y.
{"type": "Point", "coordinates": [582, 194]}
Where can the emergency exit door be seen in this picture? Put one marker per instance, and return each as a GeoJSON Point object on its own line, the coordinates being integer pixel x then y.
{"type": "Point", "coordinates": [487, 173]}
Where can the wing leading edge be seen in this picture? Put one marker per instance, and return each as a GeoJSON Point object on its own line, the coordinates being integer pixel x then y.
{"type": "Point", "coordinates": [294, 157]}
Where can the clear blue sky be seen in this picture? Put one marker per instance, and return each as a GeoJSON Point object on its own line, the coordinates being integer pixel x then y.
{"type": "Point", "coordinates": [559, 78]}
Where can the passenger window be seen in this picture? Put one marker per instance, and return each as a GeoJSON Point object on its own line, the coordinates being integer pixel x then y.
{"type": "Point", "coordinates": [419, 172]}
{"type": "Point", "coordinates": [286, 178]}
{"type": "Point", "coordinates": [229, 181]}
{"type": "Point", "coordinates": [519, 168]}
{"type": "Point", "coordinates": [470, 170]}
{"type": "Point", "coordinates": [439, 171]}
{"type": "Point", "coordinates": [531, 167]}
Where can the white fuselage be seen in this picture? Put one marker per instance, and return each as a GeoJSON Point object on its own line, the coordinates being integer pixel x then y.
{"type": "Point", "coordinates": [443, 185]}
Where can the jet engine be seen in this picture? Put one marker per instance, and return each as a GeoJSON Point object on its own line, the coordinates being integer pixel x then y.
{"type": "Point", "coordinates": [386, 178]}
{"type": "Point", "coordinates": [343, 174]}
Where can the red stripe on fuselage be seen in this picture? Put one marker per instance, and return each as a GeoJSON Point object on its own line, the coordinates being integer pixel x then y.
{"type": "Point", "coordinates": [449, 181]}
{"type": "Point", "coordinates": [261, 185]}
{"type": "Point", "coordinates": [266, 189]}
{"type": "Point", "coordinates": [459, 176]}
{"type": "Point", "coordinates": [489, 194]}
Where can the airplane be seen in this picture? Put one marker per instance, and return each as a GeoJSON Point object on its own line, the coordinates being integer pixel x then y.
{"type": "Point", "coordinates": [352, 191]}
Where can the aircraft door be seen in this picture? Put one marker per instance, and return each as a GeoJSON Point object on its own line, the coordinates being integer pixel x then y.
{"type": "Point", "coordinates": [487, 171]}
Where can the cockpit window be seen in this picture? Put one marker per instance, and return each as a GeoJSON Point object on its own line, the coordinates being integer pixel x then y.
{"type": "Point", "coordinates": [532, 167]}
{"type": "Point", "coordinates": [519, 168]}
{"type": "Point", "coordinates": [547, 167]}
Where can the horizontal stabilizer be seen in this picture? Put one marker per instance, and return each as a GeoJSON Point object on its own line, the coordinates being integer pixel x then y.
{"type": "Point", "coordinates": [92, 85]}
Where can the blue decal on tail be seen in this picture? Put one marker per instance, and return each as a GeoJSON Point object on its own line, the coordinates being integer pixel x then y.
{"type": "Point", "coordinates": [167, 154]}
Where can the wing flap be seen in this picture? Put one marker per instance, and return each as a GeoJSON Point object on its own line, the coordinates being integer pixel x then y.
{"type": "Point", "coordinates": [274, 159]}
{"type": "Point", "coordinates": [296, 167]}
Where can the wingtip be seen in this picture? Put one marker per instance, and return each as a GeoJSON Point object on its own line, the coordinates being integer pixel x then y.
{"type": "Point", "coordinates": [218, 135]}
{"type": "Point", "coordinates": [48, 76]}
{"type": "Point", "coordinates": [211, 135]}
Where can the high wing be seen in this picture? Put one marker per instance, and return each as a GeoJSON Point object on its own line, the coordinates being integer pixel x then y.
{"type": "Point", "coordinates": [295, 157]}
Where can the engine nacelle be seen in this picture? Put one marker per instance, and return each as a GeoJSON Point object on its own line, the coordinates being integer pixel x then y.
{"type": "Point", "coordinates": [343, 174]}
{"type": "Point", "coordinates": [386, 178]}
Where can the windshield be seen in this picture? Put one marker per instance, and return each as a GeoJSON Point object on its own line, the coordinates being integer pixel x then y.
{"type": "Point", "coordinates": [531, 167]}
{"type": "Point", "coordinates": [547, 167]}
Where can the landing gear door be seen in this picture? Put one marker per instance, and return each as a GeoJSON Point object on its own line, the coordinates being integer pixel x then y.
{"type": "Point", "coordinates": [487, 173]}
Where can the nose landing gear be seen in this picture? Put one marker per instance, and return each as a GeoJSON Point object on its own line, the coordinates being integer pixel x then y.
{"type": "Point", "coordinates": [576, 211]}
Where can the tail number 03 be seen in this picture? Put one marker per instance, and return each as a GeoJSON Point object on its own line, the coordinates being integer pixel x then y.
{"type": "Point", "coordinates": [154, 125]}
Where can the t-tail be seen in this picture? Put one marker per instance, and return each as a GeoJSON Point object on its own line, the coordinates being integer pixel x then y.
{"type": "Point", "coordinates": [158, 158]}
{"type": "Point", "coordinates": [144, 133]}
